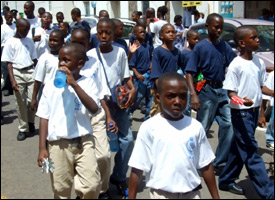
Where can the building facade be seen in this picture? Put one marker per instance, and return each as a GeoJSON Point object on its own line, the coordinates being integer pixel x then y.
{"type": "Point", "coordinates": [124, 9]}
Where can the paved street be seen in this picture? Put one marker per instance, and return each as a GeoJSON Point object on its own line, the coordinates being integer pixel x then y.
{"type": "Point", "coordinates": [21, 178]}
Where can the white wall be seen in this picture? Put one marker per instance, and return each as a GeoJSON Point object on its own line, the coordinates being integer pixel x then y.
{"type": "Point", "coordinates": [238, 9]}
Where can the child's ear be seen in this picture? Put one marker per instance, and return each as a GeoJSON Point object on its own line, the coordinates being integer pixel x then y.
{"type": "Point", "coordinates": [158, 97]}
{"type": "Point", "coordinates": [81, 63]}
{"type": "Point", "coordinates": [241, 43]}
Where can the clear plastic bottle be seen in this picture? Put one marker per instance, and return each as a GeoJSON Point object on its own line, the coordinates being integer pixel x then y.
{"type": "Point", "coordinates": [114, 146]}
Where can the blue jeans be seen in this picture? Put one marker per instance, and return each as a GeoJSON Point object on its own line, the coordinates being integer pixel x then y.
{"type": "Point", "coordinates": [243, 151]}
{"type": "Point", "coordinates": [143, 91]}
{"type": "Point", "coordinates": [126, 143]}
{"type": "Point", "coordinates": [214, 104]}
{"type": "Point", "coordinates": [269, 135]}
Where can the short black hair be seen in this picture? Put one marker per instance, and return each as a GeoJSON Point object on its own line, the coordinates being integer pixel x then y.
{"type": "Point", "coordinates": [41, 10]}
{"type": "Point", "coordinates": [190, 33]}
{"type": "Point", "coordinates": [107, 20]}
{"type": "Point", "coordinates": [163, 10]}
{"type": "Point", "coordinates": [177, 17]}
{"type": "Point", "coordinates": [81, 27]}
{"type": "Point", "coordinates": [76, 11]}
{"type": "Point", "coordinates": [164, 26]}
{"type": "Point", "coordinates": [211, 17]}
{"type": "Point", "coordinates": [58, 32]}
{"type": "Point", "coordinates": [170, 76]}
{"type": "Point", "coordinates": [241, 32]}
{"type": "Point", "coordinates": [78, 50]}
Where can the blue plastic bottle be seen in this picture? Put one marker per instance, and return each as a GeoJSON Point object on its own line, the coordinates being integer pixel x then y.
{"type": "Point", "coordinates": [147, 75]}
{"type": "Point", "coordinates": [60, 79]}
{"type": "Point", "coordinates": [114, 147]}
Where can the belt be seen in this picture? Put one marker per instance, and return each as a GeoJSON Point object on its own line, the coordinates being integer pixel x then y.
{"type": "Point", "coordinates": [214, 84]}
{"type": "Point", "coordinates": [27, 68]}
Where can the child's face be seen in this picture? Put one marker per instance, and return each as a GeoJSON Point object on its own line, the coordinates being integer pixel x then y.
{"type": "Point", "coordinates": [105, 34]}
{"type": "Point", "coordinates": [59, 18]}
{"type": "Point", "coordinates": [251, 40]}
{"type": "Point", "coordinates": [67, 59]}
{"type": "Point", "coordinates": [119, 30]}
{"type": "Point", "coordinates": [46, 20]}
{"type": "Point", "coordinates": [55, 42]}
{"type": "Point", "coordinates": [215, 28]}
{"type": "Point", "coordinates": [179, 22]}
{"type": "Point", "coordinates": [173, 99]}
{"type": "Point", "coordinates": [63, 28]}
{"type": "Point", "coordinates": [193, 39]}
{"type": "Point", "coordinates": [135, 17]}
{"type": "Point", "coordinates": [9, 18]}
{"type": "Point", "coordinates": [140, 33]}
{"type": "Point", "coordinates": [168, 34]}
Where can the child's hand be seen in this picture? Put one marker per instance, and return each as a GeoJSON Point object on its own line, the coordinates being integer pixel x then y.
{"type": "Point", "coordinates": [14, 85]}
{"type": "Point", "coordinates": [114, 128]}
{"type": "Point", "coordinates": [37, 38]}
{"type": "Point", "coordinates": [70, 78]}
{"type": "Point", "coordinates": [131, 97]}
{"type": "Point", "coordinates": [140, 77]}
{"type": "Point", "coordinates": [247, 102]}
{"type": "Point", "coordinates": [134, 47]}
{"type": "Point", "coordinates": [237, 100]}
{"type": "Point", "coordinates": [42, 154]}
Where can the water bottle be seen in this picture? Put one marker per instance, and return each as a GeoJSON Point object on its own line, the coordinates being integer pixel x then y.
{"type": "Point", "coordinates": [60, 79]}
{"type": "Point", "coordinates": [147, 75]}
{"type": "Point", "coordinates": [180, 72]}
{"type": "Point", "coordinates": [114, 147]}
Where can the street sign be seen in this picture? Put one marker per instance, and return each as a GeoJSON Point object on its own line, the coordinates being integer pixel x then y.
{"type": "Point", "coordinates": [191, 3]}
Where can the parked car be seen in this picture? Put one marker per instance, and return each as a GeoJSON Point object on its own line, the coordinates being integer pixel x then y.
{"type": "Point", "coordinates": [265, 30]}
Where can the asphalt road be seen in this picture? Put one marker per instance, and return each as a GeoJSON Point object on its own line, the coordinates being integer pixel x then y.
{"type": "Point", "coordinates": [21, 178]}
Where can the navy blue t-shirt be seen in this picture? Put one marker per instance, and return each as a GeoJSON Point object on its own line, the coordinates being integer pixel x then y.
{"type": "Point", "coordinates": [94, 41]}
{"type": "Point", "coordinates": [164, 61]}
{"type": "Point", "coordinates": [141, 59]}
{"type": "Point", "coordinates": [211, 59]}
{"type": "Point", "coordinates": [148, 39]}
{"type": "Point", "coordinates": [122, 43]}
{"type": "Point", "coordinates": [185, 56]}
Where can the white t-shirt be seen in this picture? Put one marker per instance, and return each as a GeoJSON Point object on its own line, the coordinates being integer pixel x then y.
{"type": "Point", "coordinates": [155, 29]}
{"type": "Point", "coordinates": [35, 22]}
{"type": "Point", "coordinates": [170, 152]}
{"type": "Point", "coordinates": [46, 67]}
{"type": "Point", "coordinates": [43, 45]}
{"type": "Point", "coordinates": [20, 52]}
{"type": "Point", "coordinates": [246, 77]}
{"type": "Point", "coordinates": [115, 64]}
{"type": "Point", "coordinates": [94, 70]}
{"type": "Point", "coordinates": [68, 117]}
{"type": "Point", "coordinates": [7, 31]}
{"type": "Point", "coordinates": [269, 83]}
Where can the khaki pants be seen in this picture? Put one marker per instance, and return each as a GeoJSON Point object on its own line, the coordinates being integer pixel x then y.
{"type": "Point", "coordinates": [23, 98]}
{"type": "Point", "coordinates": [102, 148]}
{"type": "Point", "coordinates": [156, 108]}
{"type": "Point", "coordinates": [74, 160]}
{"type": "Point", "coordinates": [160, 194]}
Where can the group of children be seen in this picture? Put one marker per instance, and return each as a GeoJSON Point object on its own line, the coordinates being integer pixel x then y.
{"type": "Point", "coordinates": [74, 119]}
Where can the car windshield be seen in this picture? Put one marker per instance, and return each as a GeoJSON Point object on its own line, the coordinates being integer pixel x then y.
{"type": "Point", "coordinates": [266, 36]}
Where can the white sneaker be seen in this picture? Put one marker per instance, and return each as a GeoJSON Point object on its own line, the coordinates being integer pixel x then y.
{"type": "Point", "coordinates": [270, 146]}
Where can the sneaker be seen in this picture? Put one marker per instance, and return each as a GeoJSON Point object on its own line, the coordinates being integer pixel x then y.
{"type": "Point", "coordinates": [21, 136]}
{"type": "Point", "coordinates": [104, 195]}
{"type": "Point", "coordinates": [270, 146]}
{"type": "Point", "coordinates": [31, 127]}
{"type": "Point", "coordinates": [122, 187]}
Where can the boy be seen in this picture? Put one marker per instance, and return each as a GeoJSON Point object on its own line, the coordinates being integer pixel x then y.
{"type": "Point", "coordinates": [65, 27]}
{"type": "Point", "coordinates": [170, 154]}
{"type": "Point", "coordinates": [212, 56]}
{"type": "Point", "coordinates": [59, 19]}
{"type": "Point", "coordinates": [193, 38]}
{"type": "Point", "coordinates": [65, 124]}
{"type": "Point", "coordinates": [115, 63]}
{"type": "Point", "coordinates": [140, 64]}
{"type": "Point", "coordinates": [7, 31]}
{"type": "Point", "coordinates": [20, 55]}
{"type": "Point", "coordinates": [47, 65]}
{"type": "Point", "coordinates": [41, 34]}
{"type": "Point", "coordinates": [268, 90]}
{"type": "Point", "coordinates": [166, 58]}
{"type": "Point", "coordinates": [244, 79]}
{"type": "Point", "coordinates": [32, 19]}
{"type": "Point", "coordinates": [94, 69]}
